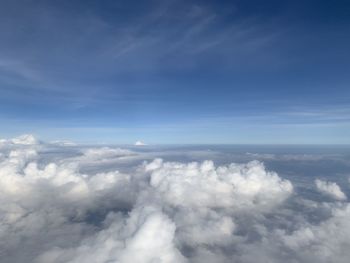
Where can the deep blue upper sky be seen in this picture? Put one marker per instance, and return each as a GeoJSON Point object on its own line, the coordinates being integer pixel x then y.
{"type": "Point", "coordinates": [176, 71]}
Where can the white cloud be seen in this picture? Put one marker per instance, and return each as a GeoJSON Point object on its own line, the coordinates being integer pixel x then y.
{"type": "Point", "coordinates": [146, 236]}
{"type": "Point", "coordinates": [203, 185]}
{"type": "Point", "coordinates": [26, 139]}
{"type": "Point", "coordinates": [105, 152]}
{"type": "Point", "coordinates": [63, 143]}
{"type": "Point", "coordinates": [326, 242]}
{"type": "Point", "coordinates": [330, 189]}
{"type": "Point", "coordinates": [140, 143]}
{"type": "Point", "coordinates": [52, 211]}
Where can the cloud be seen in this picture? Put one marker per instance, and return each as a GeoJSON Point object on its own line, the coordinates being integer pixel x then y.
{"type": "Point", "coordinates": [26, 139]}
{"type": "Point", "coordinates": [140, 143]}
{"type": "Point", "coordinates": [54, 210]}
{"type": "Point", "coordinates": [146, 236]}
{"type": "Point", "coordinates": [105, 152]}
{"type": "Point", "coordinates": [63, 143]}
{"type": "Point", "coordinates": [330, 189]}
{"type": "Point", "coordinates": [204, 185]}
{"type": "Point", "coordinates": [324, 242]}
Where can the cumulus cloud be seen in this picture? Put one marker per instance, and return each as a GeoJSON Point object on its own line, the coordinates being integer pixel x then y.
{"type": "Point", "coordinates": [140, 143]}
{"type": "Point", "coordinates": [330, 189]}
{"type": "Point", "coordinates": [203, 185]}
{"type": "Point", "coordinates": [25, 139]}
{"type": "Point", "coordinates": [145, 236]}
{"type": "Point", "coordinates": [324, 242]}
{"type": "Point", "coordinates": [53, 210]}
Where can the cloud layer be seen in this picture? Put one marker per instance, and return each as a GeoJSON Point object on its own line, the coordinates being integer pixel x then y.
{"type": "Point", "coordinates": [55, 208]}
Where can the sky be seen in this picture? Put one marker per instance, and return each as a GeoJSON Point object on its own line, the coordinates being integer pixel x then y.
{"type": "Point", "coordinates": [250, 72]}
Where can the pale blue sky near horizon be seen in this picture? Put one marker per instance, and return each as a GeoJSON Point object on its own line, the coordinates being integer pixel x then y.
{"type": "Point", "coordinates": [246, 72]}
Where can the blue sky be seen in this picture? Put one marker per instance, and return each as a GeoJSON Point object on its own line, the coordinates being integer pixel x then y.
{"type": "Point", "coordinates": [176, 71]}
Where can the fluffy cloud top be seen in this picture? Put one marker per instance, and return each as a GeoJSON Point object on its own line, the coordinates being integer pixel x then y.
{"type": "Point", "coordinates": [158, 211]}
{"type": "Point", "coordinates": [237, 186]}
{"type": "Point", "coordinates": [145, 236]}
{"type": "Point", "coordinates": [26, 139]}
{"type": "Point", "coordinates": [330, 189]}
{"type": "Point", "coordinates": [140, 143]}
